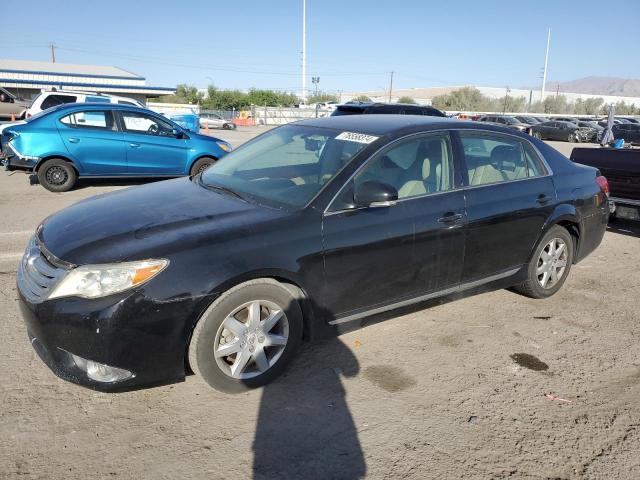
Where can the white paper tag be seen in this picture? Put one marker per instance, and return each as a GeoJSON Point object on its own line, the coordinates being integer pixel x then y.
{"type": "Point", "coordinates": [356, 137]}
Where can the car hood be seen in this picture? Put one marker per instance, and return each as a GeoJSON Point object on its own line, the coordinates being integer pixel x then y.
{"type": "Point", "coordinates": [149, 221]}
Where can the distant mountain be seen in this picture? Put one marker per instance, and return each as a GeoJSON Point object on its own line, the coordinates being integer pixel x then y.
{"type": "Point", "coordinates": [599, 86]}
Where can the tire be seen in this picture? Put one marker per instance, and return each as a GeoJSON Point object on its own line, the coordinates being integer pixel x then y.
{"type": "Point", "coordinates": [232, 309]}
{"type": "Point", "coordinates": [573, 138]}
{"type": "Point", "coordinates": [537, 135]}
{"type": "Point", "coordinates": [533, 286]}
{"type": "Point", "coordinates": [201, 165]}
{"type": "Point", "coordinates": [226, 126]}
{"type": "Point", "coordinates": [57, 175]}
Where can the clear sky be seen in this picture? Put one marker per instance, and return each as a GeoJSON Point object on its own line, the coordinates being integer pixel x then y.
{"type": "Point", "coordinates": [351, 44]}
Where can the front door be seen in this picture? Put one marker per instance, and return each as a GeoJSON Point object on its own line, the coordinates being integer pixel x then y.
{"type": "Point", "coordinates": [375, 256]}
{"type": "Point", "coordinates": [151, 145]}
{"type": "Point", "coordinates": [509, 197]}
{"type": "Point", "coordinates": [94, 142]}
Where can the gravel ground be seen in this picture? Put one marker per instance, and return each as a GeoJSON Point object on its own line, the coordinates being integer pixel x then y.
{"type": "Point", "coordinates": [444, 391]}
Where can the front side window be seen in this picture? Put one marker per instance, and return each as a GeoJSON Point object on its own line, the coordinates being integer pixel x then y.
{"type": "Point", "coordinates": [494, 158]}
{"type": "Point", "coordinates": [90, 119]}
{"type": "Point", "coordinates": [137, 122]}
{"type": "Point", "coordinates": [53, 100]}
{"type": "Point", "coordinates": [286, 166]}
{"type": "Point", "coordinates": [414, 167]}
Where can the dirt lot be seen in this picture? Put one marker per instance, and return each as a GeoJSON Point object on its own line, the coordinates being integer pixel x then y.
{"type": "Point", "coordinates": [432, 393]}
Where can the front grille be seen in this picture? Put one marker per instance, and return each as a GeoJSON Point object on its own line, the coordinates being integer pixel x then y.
{"type": "Point", "coordinates": [36, 274]}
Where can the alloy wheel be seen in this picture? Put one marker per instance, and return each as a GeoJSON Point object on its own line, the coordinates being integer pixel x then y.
{"type": "Point", "coordinates": [552, 263]}
{"type": "Point", "coordinates": [251, 339]}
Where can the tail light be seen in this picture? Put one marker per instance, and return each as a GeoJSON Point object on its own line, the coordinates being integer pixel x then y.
{"type": "Point", "coordinates": [28, 115]}
{"type": "Point", "coordinates": [603, 183]}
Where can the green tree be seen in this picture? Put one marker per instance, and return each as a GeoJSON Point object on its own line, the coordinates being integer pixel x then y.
{"type": "Point", "coordinates": [406, 99]}
{"type": "Point", "coordinates": [362, 98]}
{"type": "Point", "coordinates": [322, 97]}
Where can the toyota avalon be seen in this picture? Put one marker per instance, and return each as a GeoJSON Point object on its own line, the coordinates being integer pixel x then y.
{"type": "Point", "coordinates": [306, 228]}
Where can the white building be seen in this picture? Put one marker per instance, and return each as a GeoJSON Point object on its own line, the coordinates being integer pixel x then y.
{"type": "Point", "coordinates": [26, 79]}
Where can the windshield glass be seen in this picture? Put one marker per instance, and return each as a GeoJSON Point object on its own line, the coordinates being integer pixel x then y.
{"type": "Point", "coordinates": [510, 120]}
{"type": "Point", "coordinates": [286, 166]}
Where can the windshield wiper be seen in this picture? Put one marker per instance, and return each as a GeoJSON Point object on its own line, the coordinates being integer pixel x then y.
{"type": "Point", "coordinates": [221, 189]}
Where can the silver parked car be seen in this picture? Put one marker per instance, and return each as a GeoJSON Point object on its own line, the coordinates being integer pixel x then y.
{"type": "Point", "coordinates": [213, 120]}
{"type": "Point", "coordinates": [11, 105]}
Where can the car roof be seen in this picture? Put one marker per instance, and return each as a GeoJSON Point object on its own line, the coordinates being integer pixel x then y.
{"type": "Point", "coordinates": [97, 106]}
{"type": "Point", "coordinates": [381, 124]}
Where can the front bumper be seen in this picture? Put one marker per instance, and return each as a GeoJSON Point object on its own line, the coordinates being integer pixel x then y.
{"type": "Point", "coordinates": [127, 331]}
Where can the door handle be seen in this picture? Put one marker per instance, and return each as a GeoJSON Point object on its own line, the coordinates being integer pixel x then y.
{"type": "Point", "coordinates": [450, 218]}
{"type": "Point", "coordinates": [74, 140]}
{"type": "Point", "coordinates": [134, 145]}
{"type": "Point", "coordinates": [543, 199]}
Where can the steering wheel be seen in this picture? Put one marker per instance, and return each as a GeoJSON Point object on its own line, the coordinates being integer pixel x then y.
{"type": "Point", "coordinates": [153, 128]}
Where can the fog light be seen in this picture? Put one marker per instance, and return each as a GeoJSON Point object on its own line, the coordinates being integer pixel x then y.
{"type": "Point", "coordinates": [101, 372]}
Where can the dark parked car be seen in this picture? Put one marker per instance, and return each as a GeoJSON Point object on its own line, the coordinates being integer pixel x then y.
{"type": "Point", "coordinates": [506, 121]}
{"type": "Point", "coordinates": [565, 119]}
{"type": "Point", "coordinates": [527, 120]}
{"type": "Point", "coordinates": [629, 132]}
{"type": "Point", "coordinates": [307, 227]}
{"type": "Point", "coordinates": [622, 169]}
{"type": "Point", "coordinates": [566, 131]}
{"type": "Point", "coordinates": [365, 108]}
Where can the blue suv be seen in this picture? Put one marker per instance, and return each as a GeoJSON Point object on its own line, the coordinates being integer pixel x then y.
{"type": "Point", "coordinates": [89, 140]}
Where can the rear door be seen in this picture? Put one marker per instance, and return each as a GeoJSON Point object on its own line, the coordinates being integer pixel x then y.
{"type": "Point", "coordinates": [151, 145]}
{"type": "Point", "coordinates": [510, 195]}
{"type": "Point", "coordinates": [94, 141]}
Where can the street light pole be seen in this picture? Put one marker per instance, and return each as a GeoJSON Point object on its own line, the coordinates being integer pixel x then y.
{"type": "Point", "coordinates": [546, 62]}
{"type": "Point", "coordinates": [304, 52]}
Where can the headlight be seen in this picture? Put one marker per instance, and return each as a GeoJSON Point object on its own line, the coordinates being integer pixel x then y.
{"type": "Point", "coordinates": [225, 146]}
{"type": "Point", "coordinates": [92, 281]}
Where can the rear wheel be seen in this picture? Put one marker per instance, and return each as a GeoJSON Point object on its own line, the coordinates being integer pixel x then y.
{"type": "Point", "coordinates": [201, 165]}
{"type": "Point", "coordinates": [549, 265]}
{"type": "Point", "coordinates": [57, 175]}
{"type": "Point", "coordinates": [247, 336]}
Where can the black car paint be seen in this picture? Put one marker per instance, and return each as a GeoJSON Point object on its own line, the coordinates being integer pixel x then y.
{"type": "Point", "coordinates": [345, 263]}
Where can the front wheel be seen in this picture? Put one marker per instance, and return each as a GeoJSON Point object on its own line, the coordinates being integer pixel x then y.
{"type": "Point", "coordinates": [201, 165]}
{"type": "Point", "coordinates": [550, 264]}
{"type": "Point", "coordinates": [247, 336]}
{"type": "Point", "coordinates": [57, 175]}
{"type": "Point", "coordinates": [573, 138]}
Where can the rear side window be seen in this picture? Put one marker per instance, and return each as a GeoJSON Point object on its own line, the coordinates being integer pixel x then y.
{"type": "Point", "coordinates": [90, 119]}
{"type": "Point", "coordinates": [53, 100]}
{"type": "Point", "coordinates": [97, 99]}
{"type": "Point", "coordinates": [495, 158]}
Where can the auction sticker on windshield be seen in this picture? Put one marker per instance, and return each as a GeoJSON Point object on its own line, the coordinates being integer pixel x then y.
{"type": "Point", "coordinates": [356, 137]}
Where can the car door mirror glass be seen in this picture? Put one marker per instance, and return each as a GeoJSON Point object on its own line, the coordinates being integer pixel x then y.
{"type": "Point", "coordinates": [375, 194]}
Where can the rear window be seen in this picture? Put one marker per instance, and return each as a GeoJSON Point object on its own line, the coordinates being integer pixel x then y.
{"type": "Point", "coordinates": [53, 100]}
{"type": "Point", "coordinates": [90, 119]}
{"type": "Point", "coordinates": [348, 110]}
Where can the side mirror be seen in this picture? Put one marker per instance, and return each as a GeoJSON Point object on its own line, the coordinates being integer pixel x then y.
{"type": "Point", "coordinates": [375, 194]}
{"type": "Point", "coordinates": [177, 133]}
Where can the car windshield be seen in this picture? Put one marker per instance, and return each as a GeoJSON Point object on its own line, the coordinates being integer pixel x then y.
{"type": "Point", "coordinates": [286, 166]}
{"type": "Point", "coordinates": [510, 120]}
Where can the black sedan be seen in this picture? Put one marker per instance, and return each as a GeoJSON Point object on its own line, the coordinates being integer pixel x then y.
{"type": "Point", "coordinates": [629, 132]}
{"type": "Point", "coordinates": [298, 233]}
{"type": "Point", "coordinates": [565, 131]}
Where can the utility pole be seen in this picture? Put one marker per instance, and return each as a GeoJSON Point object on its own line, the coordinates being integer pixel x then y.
{"type": "Point", "coordinates": [315, 81]}
{"type": "Point", "coordinates": [304, 52]}
{"type": "Point", "coordinates": [390, 86]}
{"type": "Point", "coordinates": [53, 53]}
{"type": "Point", "coordinates": [546, 63]}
